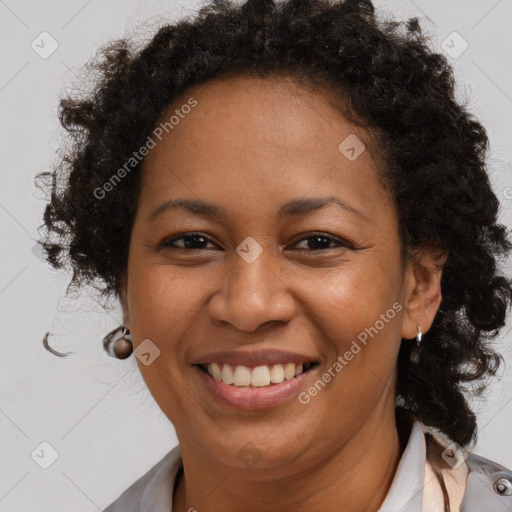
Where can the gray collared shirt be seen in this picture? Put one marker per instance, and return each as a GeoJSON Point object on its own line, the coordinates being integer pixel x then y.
{"type": "Point", "coordinates": [423, 482]}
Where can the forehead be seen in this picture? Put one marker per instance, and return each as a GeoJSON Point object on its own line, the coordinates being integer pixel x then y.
{"type": "Point", "coordinates": [257, 113]}
{"type": "Point", "coordinates": [270, 138]}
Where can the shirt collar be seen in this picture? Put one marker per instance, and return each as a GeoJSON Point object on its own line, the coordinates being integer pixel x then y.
{"type": "Point", "coordinates": [406, 491]}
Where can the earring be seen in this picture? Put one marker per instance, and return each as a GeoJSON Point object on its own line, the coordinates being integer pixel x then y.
{"type": "Point", "coordinates": [419, 336]}
{"type": "Point", "coordinates": [123, 346]}
{"type": "Point", "coordinates": [415, 351]}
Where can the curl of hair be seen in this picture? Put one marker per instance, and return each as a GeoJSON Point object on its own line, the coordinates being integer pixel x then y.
{"type": "Point", "coordinates": [389, 82]}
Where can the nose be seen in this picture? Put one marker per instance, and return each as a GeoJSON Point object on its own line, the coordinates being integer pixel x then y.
{"type": "Point", "coordinates": [252, 294]}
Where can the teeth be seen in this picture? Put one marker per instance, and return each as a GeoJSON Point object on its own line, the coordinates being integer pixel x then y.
{"type": "Point", "coordinates": [277, 374]}
{"type": "Point", "coordinates": [215, 371]}
{"type": "Point", "coordinates": [242, 376]}
{"type": "Point", "coordinates": [289, 371]}
{"type": "Point", "coordinates": [259, 376]}
{"type": "Point", "coordinates": [226, 375]}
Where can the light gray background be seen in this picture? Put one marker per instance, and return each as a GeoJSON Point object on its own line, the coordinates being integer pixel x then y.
{"type": "Point", "coordinates": [95, 411]}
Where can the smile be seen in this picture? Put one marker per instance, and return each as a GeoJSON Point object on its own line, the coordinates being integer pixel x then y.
{"type": "Point", "coordinates": [252, 388]}
{"type": "Point", "coordinates": [258, 376]}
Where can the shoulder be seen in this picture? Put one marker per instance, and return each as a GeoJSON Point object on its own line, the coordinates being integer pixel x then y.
{"type": "Point", "coordinates": [489, 485]}
{"type": "Point", "coordinates": [153, 490]}
{"type": "Point", "coordinates": [483, 483]}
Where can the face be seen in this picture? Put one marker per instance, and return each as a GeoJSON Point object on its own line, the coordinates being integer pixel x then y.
{"type": "Point", "coordinates": [259, 272]}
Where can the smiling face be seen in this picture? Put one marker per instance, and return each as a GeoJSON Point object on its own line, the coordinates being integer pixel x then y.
{"type": "Point", "coordinates": [271, 273]}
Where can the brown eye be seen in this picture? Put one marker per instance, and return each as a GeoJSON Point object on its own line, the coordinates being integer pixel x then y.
{"type": "Point", "coordinates": [192, 241]}
{"type": "Point", "coordinates": [319, 242]}
{"type": "Point", "coordinates": [198, 241]}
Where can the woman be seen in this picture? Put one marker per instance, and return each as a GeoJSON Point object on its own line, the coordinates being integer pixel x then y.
{"type": "Point", "coordinates": [296, 217]}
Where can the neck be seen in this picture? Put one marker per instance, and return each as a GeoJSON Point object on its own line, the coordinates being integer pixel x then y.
{"type": "Point", "coordinates": [357, 476]}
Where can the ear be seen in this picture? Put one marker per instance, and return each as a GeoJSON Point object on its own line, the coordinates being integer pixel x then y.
{"type": "Point", "coordinates": [123, 298]}
{"type": "Point", "coordinates": [422, 290]}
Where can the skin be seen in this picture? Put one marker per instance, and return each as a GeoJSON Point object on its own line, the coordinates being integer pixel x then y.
{"type": "Point", "coordinates": [250, 145]}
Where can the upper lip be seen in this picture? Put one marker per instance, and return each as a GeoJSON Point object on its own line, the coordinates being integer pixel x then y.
{"type": "Point", "coordinates": [254, 358]}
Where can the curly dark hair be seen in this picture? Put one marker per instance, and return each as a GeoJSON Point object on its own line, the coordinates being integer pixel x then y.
{"type": "Point", "coordinates": [391, 84]}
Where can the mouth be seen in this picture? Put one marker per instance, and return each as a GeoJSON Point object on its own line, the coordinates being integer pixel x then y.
{"type": "Point", "coordinates": [255, 380]}
{"type": "Point", "coordinates": [262, 376]}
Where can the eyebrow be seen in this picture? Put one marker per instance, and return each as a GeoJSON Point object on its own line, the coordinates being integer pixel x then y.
{"type": "Point", "coordinates": [292, 208]}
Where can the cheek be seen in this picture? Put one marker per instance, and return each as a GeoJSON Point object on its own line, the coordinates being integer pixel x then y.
{"type": "Point", "coordinates": [160, 297]}
{"type": "Point", "coordinates": [355, 297]}
{"type": "Point", "coordinates": [358, 310]}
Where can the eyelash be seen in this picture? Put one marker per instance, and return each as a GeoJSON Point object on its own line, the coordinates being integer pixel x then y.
{"type": "Point", "coordinates": [168, 243]}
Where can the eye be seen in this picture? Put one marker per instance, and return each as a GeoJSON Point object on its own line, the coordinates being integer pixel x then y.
{"type": "Point", "coordinates": [322, 241]}
{"type": "Point", "coordinates": [192, 241]}
{"type": "Point", "coordinates": [198, 241]}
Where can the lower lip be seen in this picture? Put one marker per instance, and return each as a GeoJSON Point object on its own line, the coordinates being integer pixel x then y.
{"type": "Point", "coordinates": [254, 398]}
